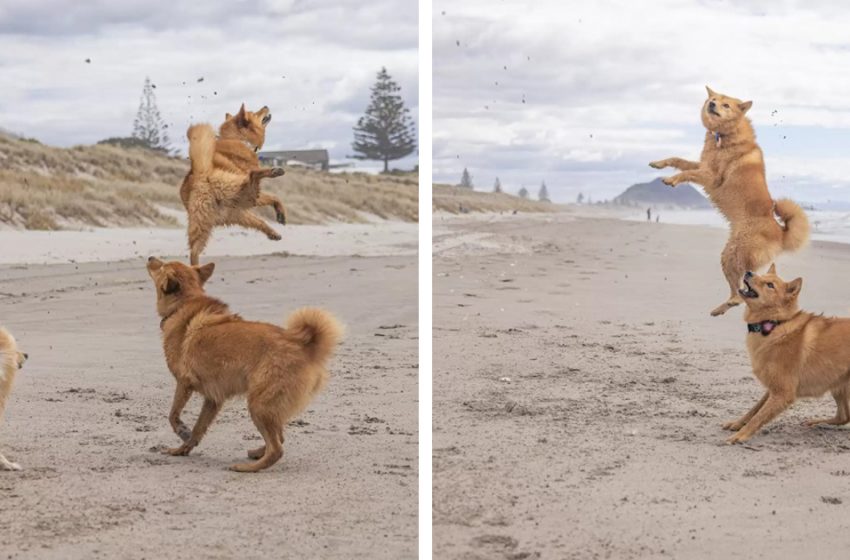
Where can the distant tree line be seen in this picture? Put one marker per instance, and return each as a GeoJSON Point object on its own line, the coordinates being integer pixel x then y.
{"type": "Point", "coordinates": [466, 183]}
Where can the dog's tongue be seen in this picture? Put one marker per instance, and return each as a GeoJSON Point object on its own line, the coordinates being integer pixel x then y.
{"type": "Point", "coordinates": [767, 326]}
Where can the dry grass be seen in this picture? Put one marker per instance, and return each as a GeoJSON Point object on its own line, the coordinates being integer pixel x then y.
{"type": "Point", "coordinates": [43, 187]}
{"type": "Point", "coordinates": [451, 199]}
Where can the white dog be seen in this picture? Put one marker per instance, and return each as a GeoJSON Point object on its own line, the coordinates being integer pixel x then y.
{"type": "Point", "coordinates": [10, 362]}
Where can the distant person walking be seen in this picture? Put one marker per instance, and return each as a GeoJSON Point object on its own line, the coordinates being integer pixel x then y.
{"type": "Point", "coordinates": [649, 214]}
{"type": "Point", "coordinates": [657, 218]}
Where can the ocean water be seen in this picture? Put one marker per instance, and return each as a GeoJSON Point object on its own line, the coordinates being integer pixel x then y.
{"type": "Point", "coordinates": [827, 225]}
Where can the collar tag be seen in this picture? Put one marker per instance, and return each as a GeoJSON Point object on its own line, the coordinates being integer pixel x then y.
{"type": "Point", "coordinates": [717, 139]}
{"type": "Point", "coordinates": [765, 327]}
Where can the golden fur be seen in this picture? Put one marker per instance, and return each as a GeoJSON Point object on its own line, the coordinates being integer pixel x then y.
{"type": "Point", "coordinates": [216, 353]}
{"type": "Point", "coordinates": [224, 181]}
{"type": "Point", "coordinates": [731, 170]}
{"type": "Point", "coordinates": [805, 355]}
{"type": "Point", "coordinates": [11, 360]}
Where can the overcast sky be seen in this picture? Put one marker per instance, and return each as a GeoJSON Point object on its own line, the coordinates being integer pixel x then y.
{"type": "Point", "coordinates": [584, 94]}
{"type": "Point", "coordinates": [312, 62]}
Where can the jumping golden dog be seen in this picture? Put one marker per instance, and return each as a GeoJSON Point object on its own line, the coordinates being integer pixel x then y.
{"type": "Point", "coordinates": [216, 353]}
{"type": "Point", "coordinates": [731, 170]}
{"type": "Point", "coordinates": [224, 181]}
{"type": "Point", "coordinates": [794, 354]}
{"type": "Point", "coordinates": [11, 360]}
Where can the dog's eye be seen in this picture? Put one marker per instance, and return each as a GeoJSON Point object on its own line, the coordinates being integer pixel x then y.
{"type": "Point", "coordinates": [770, 285]}
{"type": "Point", "coordinates": [726, 105]}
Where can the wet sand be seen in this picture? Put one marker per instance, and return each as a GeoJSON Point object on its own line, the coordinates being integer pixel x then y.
{"type": "Point", "coordinates": [579, 389]}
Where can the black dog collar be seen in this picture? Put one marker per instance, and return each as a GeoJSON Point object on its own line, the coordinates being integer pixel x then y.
{"type": "Point", "coordinates": [765, 327]}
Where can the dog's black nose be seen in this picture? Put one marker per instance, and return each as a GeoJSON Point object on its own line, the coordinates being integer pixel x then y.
{"type": "Point", "coordinates": [26, 356]}
{"type": "Point", "coordinates": [748, 274]}
{"type": "Point", "coordinates": [151, 258]}
{"type": "Point", "coordinates": [712, 105]}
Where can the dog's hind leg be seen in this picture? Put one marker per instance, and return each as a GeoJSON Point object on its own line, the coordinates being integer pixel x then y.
{"type": "Point", "coordinates": [740, 422]}
{"type": "Point", "coordinates": [266, 199]}
{"type": "Point", "coordinates": [245, 218]}
{"type": "Point", "coordinates": [269, 425]}
{"type": "Point", "coordinates": [208, 413]}
{"type": "Point", "coordinates": [842, 415]}
{"type": "Point", "coordinates": [260, 451]}
{"type": "Point", "coordinates": [773, 407]}
{"type": "Point", "coordinates": [181, 396]}
{"type": "Point", "coordinates": [7, 465]}
{"type": "Point", "coordinates": [734, 263]}
{"type": "Point", "coordinates": [199, 235]}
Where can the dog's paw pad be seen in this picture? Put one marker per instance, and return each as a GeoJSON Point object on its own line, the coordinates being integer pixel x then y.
{"type": "Point", "coordinates": [275, 237]}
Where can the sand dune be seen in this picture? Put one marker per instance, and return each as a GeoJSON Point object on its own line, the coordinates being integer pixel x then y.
{"type": "Point", "coordinates": [48, 188]}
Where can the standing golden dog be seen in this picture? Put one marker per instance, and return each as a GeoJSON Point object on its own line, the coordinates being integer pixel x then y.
{"type": "Point", "coordinates": [11, 360]}
{"type": "Point", "coordinates": [216, 353]}
{"type": "Point", "coordinates": [224, 181]}
{"type": "Point", "coordinates": [731, 170]}
{"type": "Point", "coordinates": [794, 353]}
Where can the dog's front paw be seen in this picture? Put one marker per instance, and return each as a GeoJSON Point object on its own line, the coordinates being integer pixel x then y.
{"type": "Point", "coordinates": [10, 466]}
{"type": "Point", "coordinates": [274, 236]}
{"type": "Point", "coordinates": [181, 451]}
{"type": "Point", "coordinates": [277, 172]}
{"type": "Point", "coordinates": [733, 426]}
{"type": "Point", "coordinates": [671, 181]}
{"type": "Point", "coordinates": [737, 437]}
{"type": "Point", "coordinates": [281, 218]}
{"type": "Point", "coordinates": [660, 164]}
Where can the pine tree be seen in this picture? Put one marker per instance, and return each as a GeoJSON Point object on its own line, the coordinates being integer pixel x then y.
{"type": "Point", "coordinates": [523, 192]}
{"type": "Point", "coordinates": [543, 194]}
{"type": "Point", "coordinates": [466, 180]}
{"type": "Point", "coordinates": [148, 125]}
{"type": "Point", "coordinates": [386, 131]}
{"type": "Point", "coordinates": [497, 186]}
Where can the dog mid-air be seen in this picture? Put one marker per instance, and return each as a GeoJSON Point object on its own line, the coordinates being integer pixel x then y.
{"type": "Point", "coordinates": [11, 360]}
{"type": "Point", "coordinates": [224, 181]}
{"type": "Point", "coordinates": [214, 352]}
{"type": "Point", "coordinates": [731, 170]}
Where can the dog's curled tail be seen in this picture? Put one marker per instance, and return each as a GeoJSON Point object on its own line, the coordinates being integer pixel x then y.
{"type": "Point", "coordinates": [796, 224]}
{"type": "Point", "coordinates": [201, 148]}
{"type": "Point", "coordinates": [315, 329]}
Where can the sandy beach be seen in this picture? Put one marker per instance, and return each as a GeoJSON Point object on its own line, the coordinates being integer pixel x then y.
{"type": "Point", "coordinates": [89, 411]}
{"type": "Point", "coordinates": [579, 389]}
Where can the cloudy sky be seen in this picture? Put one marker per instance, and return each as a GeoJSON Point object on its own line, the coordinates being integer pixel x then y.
{"type": "Point", "coordinates": [584, 94]}
{"type": "Point", "coordinates": [311, 61]}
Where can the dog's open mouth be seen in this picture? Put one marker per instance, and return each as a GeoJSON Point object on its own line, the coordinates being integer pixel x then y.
{"type": "Point", "coordinates": [749, 292]}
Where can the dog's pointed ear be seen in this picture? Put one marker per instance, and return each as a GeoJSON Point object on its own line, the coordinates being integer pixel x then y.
{"type": "Point", "coordinates": [240, 116]}
{"type": "Point", "coordinates": [170, 286]}
{"type": "Point", "coordinates": [204, 272]}
{"type": "Point", "coordinates": [745, 106]}
{"type": "Point", "coordinates": [227, 116]}
{"type": "Point", "coordinates": [710, 91]}
{"type": "Point", "coordinates": [772, 269]}
{"type": "Point", "coordinates": [793, 287]}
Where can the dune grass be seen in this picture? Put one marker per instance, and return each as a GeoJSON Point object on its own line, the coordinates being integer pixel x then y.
{"type": "Point", "coordinates": [44, 187]}
{"type": "Point", "coordinates": [456, 200]}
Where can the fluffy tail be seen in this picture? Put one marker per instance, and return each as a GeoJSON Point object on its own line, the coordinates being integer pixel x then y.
{"type": "Point", "coordinates": [317, 330]}
{"type": "Point", "coordinates": [796, 224]}
{"type": "Point", "coordinates": [201, 148]}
